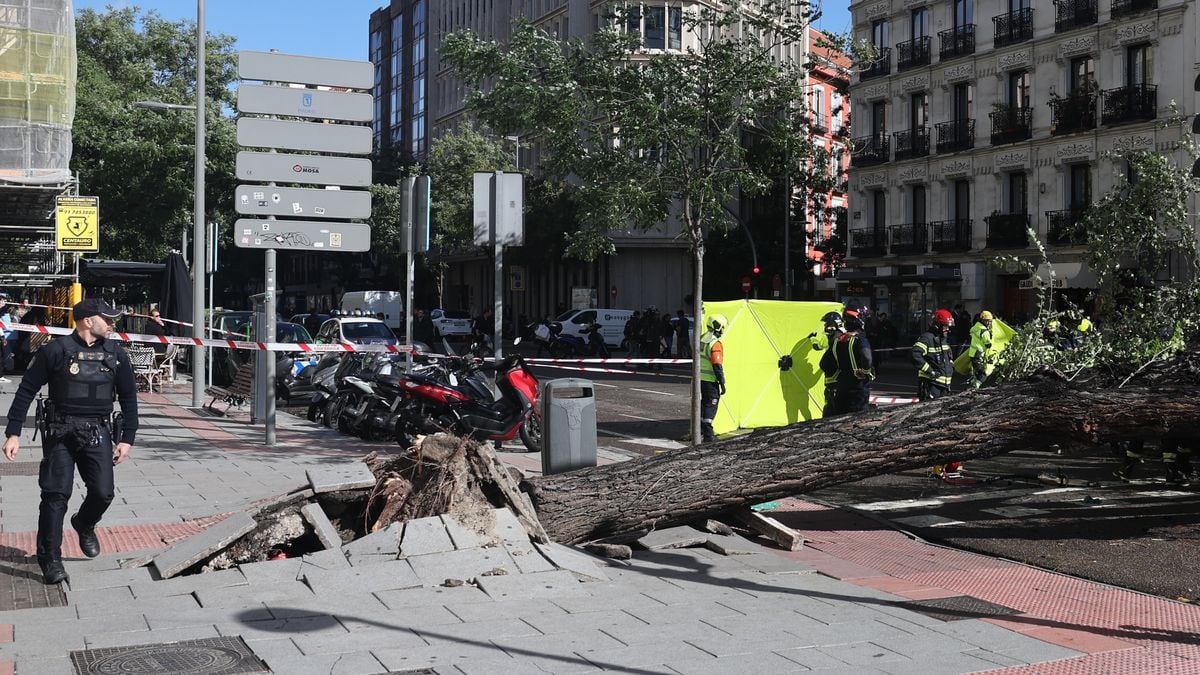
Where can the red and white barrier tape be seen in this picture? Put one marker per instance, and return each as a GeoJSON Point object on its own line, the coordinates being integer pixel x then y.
{"type": "Point", "coordinates": [228, 344]}
{"type": "Point", "coordinates": [615, 371]}
{"type": "Point", "coordinates": [639, 362]}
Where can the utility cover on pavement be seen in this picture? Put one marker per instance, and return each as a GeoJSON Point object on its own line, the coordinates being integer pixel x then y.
{"type": "Point", "coordinates": [957, 608]}
{"type": "Point", "coordinates": [210, 656]}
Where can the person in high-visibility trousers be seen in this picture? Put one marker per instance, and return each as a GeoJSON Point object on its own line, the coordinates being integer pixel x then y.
{"type": "Point", "coordinates": [827, 340]}
{"type": "Point", "coordinates": [980, 351]}
{"type": "Point", "coordinates": [932, 356]}
{"type": "Point", "coordinates": [712, 374]}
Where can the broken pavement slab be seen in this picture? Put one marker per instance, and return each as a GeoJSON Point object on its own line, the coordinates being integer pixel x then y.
{"type": "Point", "coordinates": [324, 529]}
{"type": "Point", "coordinates": [341, 477]}
{"type": "Point", "coordinates": [202, 545]}
{"type": "Point", "coordinates": [461, 535]}
{"type": "Point", "coordinates": [571, 560]}
{"type": "Point", "coordinates": [730, 545]}
{"type": "Point", "coordinates": [673, 537]}
{"type": "Point", "coordinates": [424, 536]}
{"type": "Point", "coordinates": [385, 542]}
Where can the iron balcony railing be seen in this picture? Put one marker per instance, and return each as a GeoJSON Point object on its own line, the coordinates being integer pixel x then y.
{"type": "Point", "coordinates": [870, 150]}
{"type": "Point", "coordinates": [1064, 228]}
{"type": "Point", "coordinates": [912, 143]}
{"type": "Point", "coordinates": [1008, 230]}
{"type": "Point", "coordinates": [881, 66]}
{"type": "Point", "coordinates": [1134, 103]}
{"type": "Point", "coordinates": [1126, 7]}
{"type": "Point", "coordinates": [868, 243]}
{"type": "Point", "coordinates": [1013, 27]}
{"type": "Point", "coordinates": [955, 136]}
{"type": "Point", "coordinates": [1072, 113]}
{"type": "Point", "coordinates": [957, 41]}
{"type": "Point", "coordinates": [1070, 14]}
{"type": "Point", "coordinates": [1010, 125]}
{"type": "Point", "coordinates": [913, 53]}
{"type": "Point", "coordinates": [820, 122]}
{"type": "Point", "coordinates": [951, 235]}
{"type": "Point", "coordinates": [910, 239]}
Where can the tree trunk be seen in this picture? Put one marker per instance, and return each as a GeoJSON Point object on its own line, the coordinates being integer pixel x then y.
{"type": "Point", "coordinates": [696, 482]}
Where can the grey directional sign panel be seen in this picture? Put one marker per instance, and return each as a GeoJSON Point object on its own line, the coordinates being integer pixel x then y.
{"type": "Point", "coordinates": [260, 132]}
{"type": "Point", "coordinates": [303, 235]}
{"type": "Point", "coordinates": [263, 200]}
{"type": "Point", "coordinates": [296, 102]}
{"type": "Point", "coordinates": [274, 67]}
{"type": "Point", "coordinates": [307, 169]}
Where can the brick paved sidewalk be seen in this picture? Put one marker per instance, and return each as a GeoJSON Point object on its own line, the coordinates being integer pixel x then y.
{"type": "Point", "coordinates": [844, 604]}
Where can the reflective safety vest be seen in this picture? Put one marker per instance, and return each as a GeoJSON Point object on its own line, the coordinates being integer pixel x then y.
{"type": "Point", "coordinates": [710, 348]}
{"type": "Point", "coordinates": [932, 356]}
{"type": "Point", "coordinates": [981, 347]}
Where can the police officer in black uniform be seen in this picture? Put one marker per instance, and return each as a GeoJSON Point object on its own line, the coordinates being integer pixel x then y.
{"type": "Point", "coordinates": [86, 372]}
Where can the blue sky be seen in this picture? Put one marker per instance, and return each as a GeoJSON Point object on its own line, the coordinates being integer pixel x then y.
{"type": "Point", "coordinates": [331, 28]}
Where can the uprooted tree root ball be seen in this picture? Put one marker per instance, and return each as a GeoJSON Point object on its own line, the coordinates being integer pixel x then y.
{"type": "Point", "coordinates": [435, 477]}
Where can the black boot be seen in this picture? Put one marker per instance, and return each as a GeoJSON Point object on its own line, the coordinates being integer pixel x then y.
{"type": "Point", "coordinates": [53, 571]}
{"type": "Point", "coordinates": [1125, 471]}
{"type": "Point", "coordinates": [89, 543]}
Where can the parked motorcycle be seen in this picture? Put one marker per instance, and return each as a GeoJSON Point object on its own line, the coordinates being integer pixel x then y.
{"type": "Point", "coordinates": [565, 345]}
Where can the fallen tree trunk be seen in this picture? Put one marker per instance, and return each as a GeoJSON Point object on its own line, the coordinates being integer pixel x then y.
{"type": "Point", "coordinates": [691, 483]}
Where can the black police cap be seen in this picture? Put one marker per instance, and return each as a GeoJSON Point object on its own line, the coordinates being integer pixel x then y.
{"type": "Point", "coordinates": [93, 307]}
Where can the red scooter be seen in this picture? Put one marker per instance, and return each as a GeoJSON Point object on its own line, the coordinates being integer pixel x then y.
{"type": "Point", "coordinates": [460, 400]}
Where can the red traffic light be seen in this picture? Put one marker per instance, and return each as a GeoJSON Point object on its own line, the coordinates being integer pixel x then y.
{"type": "Point", "coordinates": [756, 270]}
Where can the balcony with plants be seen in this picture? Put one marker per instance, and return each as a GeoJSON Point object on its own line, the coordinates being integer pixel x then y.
{"type": "Point", "coordinates": [955, 136]}
{"type": "Point", "coordinates": [912, 143]}
{"type": "Point", "coordinates": [1074, 112]}
{"type": "Point", "coordinates": [1013, 27]}
{"type": "Point", "coordinates": [913, 54]}
{"type": "Point", "coordinates": [1011, 124]}
{"type": "Point", "coordinates": [1071, 14]}
{"type": "Point", "coordinates": [958, 41]}
{"type": "Point", "coordinates": [1008, 230]}
{"type": "Point", "coordinates": [910, 239]}
{"type": "Point", "coordinates": [1132, 103]}
{"type": "Point", "coordinates": [951, 235]}
{"type": "Point", "coordinates": [869, 150]}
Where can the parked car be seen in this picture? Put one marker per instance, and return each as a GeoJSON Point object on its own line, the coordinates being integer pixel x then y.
{"type": "Point", "coordinates": [358, 330]}
{"type": "Point", "coordinates": [300, 318]}
{"type": "Point", "coordinates": [227, 362]}
{"type": "Point", "coordinates": [612, 323]}
{"type": "Point", "coordinates": [451, 323]}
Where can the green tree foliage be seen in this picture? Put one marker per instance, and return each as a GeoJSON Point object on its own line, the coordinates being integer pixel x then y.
{"type": "Point", "coordinates": [652, 137]}
{"type": "Point", "coordinates": [451, 164]}
{"type": "Point", "coordinates": [140, 162]}
{"type": "Point", "coordinates": [1141, 247]}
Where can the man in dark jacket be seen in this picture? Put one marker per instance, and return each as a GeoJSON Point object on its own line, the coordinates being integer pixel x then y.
{"type": "Point", "coordinates": [931, 355]}
{"type": "Point", "coordinates": [849, 360]}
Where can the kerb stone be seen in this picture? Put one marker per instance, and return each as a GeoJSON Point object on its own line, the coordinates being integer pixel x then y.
{"type": "Point", "coordinates": [192, 550]}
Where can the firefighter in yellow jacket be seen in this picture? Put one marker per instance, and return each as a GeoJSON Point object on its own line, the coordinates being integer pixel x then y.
{"type": "Point", "coordinates": [712, 374]}
{"type": "Point", "coordinates": [980, 352]}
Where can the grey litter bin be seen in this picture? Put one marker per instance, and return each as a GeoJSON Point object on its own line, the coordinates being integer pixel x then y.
{"type": "Point", "coordinates": [568, 425]}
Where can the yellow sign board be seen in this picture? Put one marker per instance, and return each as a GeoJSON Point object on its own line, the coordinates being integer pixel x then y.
{"type": "Point", "coordinates": [77, 221]}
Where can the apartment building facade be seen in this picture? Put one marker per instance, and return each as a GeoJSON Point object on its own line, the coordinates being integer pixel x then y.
{"type": "Point", "coordinates": [982, 118]}
{"type": "Point", "coordinates": [829, 108]}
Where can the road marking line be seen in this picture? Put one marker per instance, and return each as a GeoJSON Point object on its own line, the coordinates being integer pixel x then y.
{"type": "Point", "coordinates": [898, 504]}
{"type": "Point", "coordinates": [601, 384]}
{"type": "Point", "coordinates": [651, 391]}
{"type": "Point", "coordinates": [637, 417]}
{"type": "Point", "coordinates": [928, 521]}
{"type": "Point", "coordinates": [658, 442]}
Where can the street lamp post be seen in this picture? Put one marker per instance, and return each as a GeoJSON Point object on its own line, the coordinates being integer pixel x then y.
{"type": "Point", "coordinates": [198, 225]}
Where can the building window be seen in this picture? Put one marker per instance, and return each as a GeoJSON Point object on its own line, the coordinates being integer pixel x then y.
{"type": "Point", "coordinates": [879, 118]}
{"type": "Point", "coordinates": [633, 20]}
{"type": "Point", "coordinates": [1018, 193]}
{"type": "Point", "coordinates": [1139, 65]}
{"type": "Point", "coordinates": [964, 101]}
{"type": "Point", "coordinates": [964, 13]}
{"type": "Point", "coordinates": [918, 205]}
{"type": "Point", "coordinates": [961, 196]}
{"type": "Point", "coordinates": [1083, 72]}
{"type": "Point", "coordinates": [1079, 189]}
{"type": "Point", "coordinates": [879, 209]}
{"type": "Point", "coordinates": [880, 35]}
{"type": "Point", "coordinates": [920, 23]}
{"type": "Point", "coordinates": [1018, 89]}
{"type": "Point", "coordinates": [675, 28]}
{"type": "Point", "coordinates": [918, 111]}
{"type": "Point", "coordinates": [656, 20]}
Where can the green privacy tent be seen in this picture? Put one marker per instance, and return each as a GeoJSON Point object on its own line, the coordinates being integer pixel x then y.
{"type": "Point", "coordinates": [758, 392]}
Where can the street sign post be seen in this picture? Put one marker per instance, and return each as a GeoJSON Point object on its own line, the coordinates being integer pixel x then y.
{"type": "Point", "coordinates": [499, 219]}
{"type": "Point", "coordinates": [263, 200]}
{"type": "Point", "coordinates": [77, 223]}
{"type": "Point", "coordinates": [326, 136]}
{"type": "Point", "coordinates": [322, 104]}
{"type": "Point", "coordinates": [302, 235]}
{"type": "Point", "coordinates": [307, 169]}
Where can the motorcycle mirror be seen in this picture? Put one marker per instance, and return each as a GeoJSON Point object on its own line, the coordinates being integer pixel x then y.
{"type": "Point", "coordinates": [516, 342]}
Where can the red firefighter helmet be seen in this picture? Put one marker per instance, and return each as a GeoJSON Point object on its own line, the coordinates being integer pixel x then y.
{"type": "Point", "coordinates": [942, 318]}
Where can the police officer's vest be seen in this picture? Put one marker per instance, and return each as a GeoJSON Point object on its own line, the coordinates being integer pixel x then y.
{"type": "Point", "coordinates": [707, 373]}
{"type": "Point", "coordinates": [85, 378]}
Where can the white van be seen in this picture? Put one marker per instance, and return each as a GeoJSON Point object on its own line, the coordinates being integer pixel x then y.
{"type": "Point", "coordinates": [612, 323]}
{"type": "Point", "coordinates": [389, 303]}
